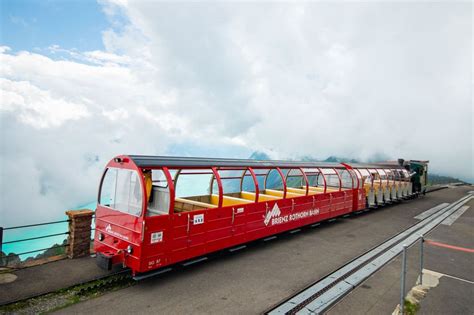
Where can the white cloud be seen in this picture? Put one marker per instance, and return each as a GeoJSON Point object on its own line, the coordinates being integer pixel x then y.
{"type": "Point", "coordinates": [37, 107]}
{"type": "Point", "coordinates": [347, 79]}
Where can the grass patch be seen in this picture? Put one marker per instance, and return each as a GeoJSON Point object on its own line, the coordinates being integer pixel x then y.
{"type": "Point", "coordinates": [66, 297]}
{"type": "Point", "coordinates": [411, 308]}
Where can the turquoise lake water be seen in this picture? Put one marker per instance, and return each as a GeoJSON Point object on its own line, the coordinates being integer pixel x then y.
{"type": "Point", "coordinates": [42, 230]}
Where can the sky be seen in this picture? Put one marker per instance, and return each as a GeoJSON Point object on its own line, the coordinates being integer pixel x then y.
{"type": "Point", "coordinates": [83, 81]}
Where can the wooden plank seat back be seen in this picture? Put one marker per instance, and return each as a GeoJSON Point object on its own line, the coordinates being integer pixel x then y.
{"type": "Point", "coordinates": [261, 197]}
{"type": "Point", "coordinates": [183, 204]}
{"type": "Point", "coordinates": [279, 193]}
{"type": "Point", "coordinates": [328, 189]}
{"type": "Point", "coordinates": [229, 200]}
{"type": "Point", "coordinates": [301, 191]}
{"type": "Point", "coordinates": [246, 197]}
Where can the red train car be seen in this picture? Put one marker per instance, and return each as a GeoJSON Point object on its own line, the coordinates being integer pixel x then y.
{"type": "Point", "coordinates": [156, 211]}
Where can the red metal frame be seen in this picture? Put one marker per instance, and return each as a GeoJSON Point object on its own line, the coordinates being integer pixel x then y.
{"type": "Point", "coordinates": [305, 180]}
{"type": "Point", "coordinates": [219, 186]}
{"type": "Point", "coordinates": [255, 181]}
{"type": "Point", "coordinates": [171, 189]}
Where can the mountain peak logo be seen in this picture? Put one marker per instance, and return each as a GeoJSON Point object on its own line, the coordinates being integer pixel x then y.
{"type": "Point", "coordinates": [274, 216]}
{"type": "Point", "coordinates": [275, 212]}
{"type": "Point", "coordinates": [108, 229]}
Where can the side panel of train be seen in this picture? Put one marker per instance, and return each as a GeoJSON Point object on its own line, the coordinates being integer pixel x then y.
{"type": "Point", "coordinates": [185, 235]}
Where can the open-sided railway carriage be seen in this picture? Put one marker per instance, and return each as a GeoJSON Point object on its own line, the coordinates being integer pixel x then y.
{"type": "Point", "coordinates": [384, 183]}
{"type": "Point", "coordinates": [157, 211]}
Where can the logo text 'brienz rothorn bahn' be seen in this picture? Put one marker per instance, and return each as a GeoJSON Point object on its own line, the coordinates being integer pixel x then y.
{"type": "Point", "coordinates": [274, 216]}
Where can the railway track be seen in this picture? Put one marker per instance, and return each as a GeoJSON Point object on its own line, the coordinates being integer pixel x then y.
{"type": "Point", "coordinates": [320, 296]}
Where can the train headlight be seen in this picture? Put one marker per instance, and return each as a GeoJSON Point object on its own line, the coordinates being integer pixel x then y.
{"type": "Point", "coordinates": [129, 249]}
{"type": "Point", "coordinates": [101, 237]}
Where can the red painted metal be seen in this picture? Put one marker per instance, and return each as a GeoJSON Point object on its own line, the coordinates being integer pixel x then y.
{"type": "Point", "coordinates": [169, 179]}
{"type": "Point", "coordinates": [340, 180]}
{"type": "Point", "coordinates": [444, 245]}
{"type": "Point", "coordinates": [283, 180]}
{"type": "Point", "coordinates": [255, 181]}
{"type": "Point", "coordinates": [305, 180]}
{"type": "Point", "coordinates": [219, 186]}
{"type": "Point", "coordinates": [359, 197]}
{"type": "Point", "coordinates": [324, 179]}
{"type": "Point", "coordinates": [160, 240]}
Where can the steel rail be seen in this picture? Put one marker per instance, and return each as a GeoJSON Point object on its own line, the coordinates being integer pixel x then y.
{"type": "Point", "coordinates": [322, 294]}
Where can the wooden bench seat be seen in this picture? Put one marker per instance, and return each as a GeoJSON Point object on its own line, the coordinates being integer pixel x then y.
{"type": "Point", "coordinates": [261, 197]}
{"type": "Point", "coordinates": [279, 193]}
{"type": "Point", "coordinates": [301, 191]}
{"type": "Point", "coordinates": [322, 189]}
{"type": "Point", "coordinates": [229, 201]}
{"type": "Point", "coordinates": [182, 204]}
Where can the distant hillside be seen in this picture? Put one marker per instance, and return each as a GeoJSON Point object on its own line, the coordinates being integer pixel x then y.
{"type": "Point", "coordinates": [257, 155]}
{"type": "Point", "coordinates": [335, 159]}
{"type": "Point", "coordinates": [434, 179]}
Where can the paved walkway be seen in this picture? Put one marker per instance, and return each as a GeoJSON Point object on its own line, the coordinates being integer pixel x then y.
{"type": "Point", "coordinates": [453, 294]}
{"type": "Point", "coordinates": [37, 280]}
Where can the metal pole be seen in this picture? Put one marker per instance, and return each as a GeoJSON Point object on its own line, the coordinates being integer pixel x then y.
{"type": "Point", "coordinates": [1, 247]}
{"type": "Point", "coordinates": [422, 240]}
{"type": "Point", "coordinates": [402, 286]}
{"type": "Point", "coordinates": [1, 238]}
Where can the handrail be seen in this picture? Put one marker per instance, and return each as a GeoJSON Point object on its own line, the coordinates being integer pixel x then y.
{"type": "Point", "coordinates": [35, 238]}
{"type": "Point", "coordinates": [37, 224]}
{"type": "Point", "coordinates": [2, 242]}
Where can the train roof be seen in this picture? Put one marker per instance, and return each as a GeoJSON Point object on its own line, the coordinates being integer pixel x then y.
{"type": "Point", "coordinates": [375, 165]}
{"type": "Point", "coordinates": [176, 161]}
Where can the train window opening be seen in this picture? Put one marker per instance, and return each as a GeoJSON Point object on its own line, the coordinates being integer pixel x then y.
{"type": "Point", "coordinates": [347, 180]}
{"type": "Point", "coordinates": [396, 175]}
{"type": "Point", "coordinates": [121, 190]}
{"type": "Point", "coordinates": [248, 185]}
{"type": "Point", "coordinates": [406, 176]}
{"type": "Point", "coordinates": [376, 180]}
{"type": "Point", "coordinates": [273, 183]}
{"type": "Point", "coordinates": [159, 199]}
{"type": "Point", "coordinates": [332, 179]}
{"type": "Point", "coordinates": [193, 190]}
{"type": "Point", "coordinates": [159, 178]}
{"type": "Point", "coordinates": [296, 183]}
{"type": "Point", "coordinates": [248, 189]}
{"type": "Point", "coordinates": [366, 177]}
{"type": "Point", "coordinates": [316, 180]}
{"type": "Point", "coordinates": [384, 174]}
{"type": "Point", "coordinates": [231, 180]}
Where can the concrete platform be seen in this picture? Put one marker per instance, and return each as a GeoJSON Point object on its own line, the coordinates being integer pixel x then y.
{"type": "Point", "coordinates": [380, 294]}
{"type": "Point", "coordinates": [261, 276]}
